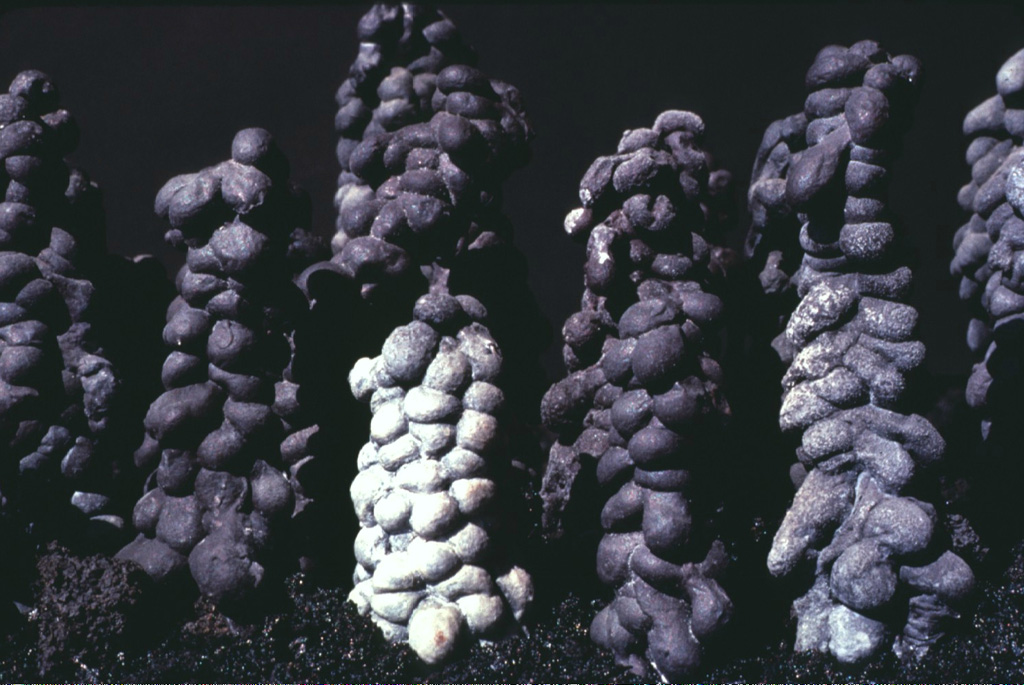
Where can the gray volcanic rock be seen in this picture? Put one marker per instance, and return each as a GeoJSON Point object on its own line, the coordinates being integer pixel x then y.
{"type": "Point", "coordinates": [87, 608]}
{"type": "Point", "coordinates": [772, 240]}
{"type": "Point", "coordinates": [987, 247]}
{"type": "Point", "coordinates": [426, 142]}
{"type": "Point", "coordinates": [225, 466]}
{"type": "Point", "coordinates": [63, 403]}
{"type": "Point", "coordinates": [850, 343]}
{"type": "Point", "coordinates": [430, 566]}
{"type": "Point", "coordinates": [390, 84]}
{"type": "Point", "coordinates": [642, 403]}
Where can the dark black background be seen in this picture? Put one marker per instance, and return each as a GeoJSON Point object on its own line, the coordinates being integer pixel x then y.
{"type": "Point", "coordinates": [160, 91]}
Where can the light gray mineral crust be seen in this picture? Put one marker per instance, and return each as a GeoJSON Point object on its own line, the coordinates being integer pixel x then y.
{"type": "Point", "coordinates": [852, 345]}
{"type": "Point", "coordinates": [430, 569]}
{"type": "Point", "coordinates": [426, 141]}
{"type": "Point", "coordinates": [643, 401]}
{"type": "Point", "coordinates": [988, 247]}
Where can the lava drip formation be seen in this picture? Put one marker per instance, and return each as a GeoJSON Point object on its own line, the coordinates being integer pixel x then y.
{"type": "Point", "coordinates": [880, 565]}
{"type": "Point", "coordinates": [642, 405]}
{"type": "Point", "coordinates": [426, 186]}
{"type": "Point", "coordinates": [61, 399]}
{"type": "Point", "coordinates": [427, 142]}
{"type": "Point", "coordinates": [402, 48]}
{"type": "Point", "coordinates": [429, 567]}
{"type": "Point", "coordinates": [772, 242]}
{"type": "Point", "coordinates": [988, 245]}
{"type": "Point", "coordinates": [220, 494]}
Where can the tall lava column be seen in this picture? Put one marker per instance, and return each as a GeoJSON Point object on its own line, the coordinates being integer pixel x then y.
{"type": "Point", "coordinates": [391, 83]}
{"type": "Point", "coordinates": [388, 101]}
{"type": "Point", "coordinates": [418, 124]}
{"type": "Point", "coordinates": [642, 404]}
{"type": "Point", "coordinates": [60, 395]}
{"type": "Point", "coordinates": [879, 562]}
{"type": "Point", "coordinates": [772, 242]}
{"type": "Point", "coordinates": [219, 497]}
{"type": "Point", "coordinates": [991, 266]}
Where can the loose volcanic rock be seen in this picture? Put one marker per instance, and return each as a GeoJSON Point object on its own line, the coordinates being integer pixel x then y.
{"type": "Point", "coordinates": [642, 403]}
{"type": "Point", "coordinates": [850, 343]}
{"type": "Point", "coordinates": [429, 571]}
{"type": "Point", "coordinates": [225, 443]}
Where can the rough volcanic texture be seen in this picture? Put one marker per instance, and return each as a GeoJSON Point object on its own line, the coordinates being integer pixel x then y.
{"type": "Point", "coordinates": [988, 283]}
{"type": "Point", "coordinates": [772, 241]}
{"type": "Point", "coordinates": [634, 203]}
{"type": "Point", "coordinates": [878, 555]}
{"type": "Point", "coordinates": [222, 488]}
{"type": "Point", "coordinates": [317, 636]}
{"type": "Point", "coordinates": [640, 408]}
{"type": "Point", "coordinates": [430, 189]}
{"type": "Point", "coordinates": [87, 607]}
{"type": "Point", "coordinates": [426, 142]}
{"type": "Point", "coordinates": [62, 409]}
{"type": "Point", "coordinates": [390, 84]}
{"type": "Point", "coordinates": [429, 565]}
{"type": "Point", "coordinates": [990, 263]}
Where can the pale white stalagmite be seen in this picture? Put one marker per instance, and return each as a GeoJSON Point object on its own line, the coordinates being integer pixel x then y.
{"type": "Point", "coordinates": [429, 567]}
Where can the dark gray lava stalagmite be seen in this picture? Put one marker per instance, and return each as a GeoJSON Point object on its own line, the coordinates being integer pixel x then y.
{"type": "Point", "coordinates": [426, 141]}
{"type": "Point", "coordinates": [772, 242]}
{"type": "Point", "coordinates": [392, 80]}
{"type": "Point", "coordinates": [880, 566]}
{"type": "Point", "coordinates": [61, 397]}
{"type": "Point", "coordinates": [428, 167]}
{"type": "Point", "coordinates": [642, 403]}
{"type": "Point", "coordinates": [988, 247]}
{"type": "Point", "coordinates": [430, 564]}
{"type": "Point", "coordinates": [220, 495]}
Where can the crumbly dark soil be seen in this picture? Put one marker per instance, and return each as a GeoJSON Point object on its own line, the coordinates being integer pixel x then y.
{"type": "Point", "coordinates": [314, 635]}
